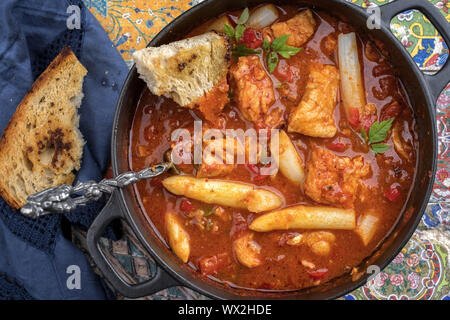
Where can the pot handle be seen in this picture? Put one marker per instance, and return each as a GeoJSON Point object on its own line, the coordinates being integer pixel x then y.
{"type": "Point", "coordinates": [112, 211]}
{"type": "Point", "coordinates": [437, 82]}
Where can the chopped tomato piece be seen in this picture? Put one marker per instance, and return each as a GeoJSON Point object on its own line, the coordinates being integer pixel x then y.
{"type": "Point", "coordinates": [212, 265]}
{"type": "Point", "coordinates": [367, 121]}
{"type": "Point", "coordinates": [283, 71]}
{"type": "Point", "coordinates": [337, 146]}
{"type": "Point", "coordinates": [186, 206]}
{"type": "Point", "coordinates": [253, 168]}
{"type": "Point", "coordinates": [392, 194]}
{"type": "Point", "coordinates": [318, 274]}
{"type": "Point", "coordinates": [250, 39]}
{"type": "Point", "coordinates": [353, 118]}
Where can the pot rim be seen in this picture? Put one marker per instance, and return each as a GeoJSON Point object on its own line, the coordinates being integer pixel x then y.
{"type": "Point", "coordinates": [393, 248]}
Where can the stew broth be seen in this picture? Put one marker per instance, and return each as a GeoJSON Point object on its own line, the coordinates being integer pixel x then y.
{"type": "Point", "coordinates": [284, 266]}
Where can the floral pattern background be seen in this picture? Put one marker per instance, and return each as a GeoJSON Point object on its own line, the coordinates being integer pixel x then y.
{"type": "Point", "coordinates": [421, 270]}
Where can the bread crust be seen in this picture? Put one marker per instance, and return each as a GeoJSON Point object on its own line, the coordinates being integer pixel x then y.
{"type": "Point", "coordinates": [189, 71]}
{"type": "Point", "coordinates": [41, 146]}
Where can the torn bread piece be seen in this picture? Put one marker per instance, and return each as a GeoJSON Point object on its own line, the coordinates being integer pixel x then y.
{"type": "Point", "coordinates": [193, 72]}
{"type": "Point", "coordinates": [42, 146]}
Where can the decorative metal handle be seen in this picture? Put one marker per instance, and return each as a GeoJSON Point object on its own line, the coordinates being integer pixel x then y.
{"type": "Point", "coordinates": [65, 198]}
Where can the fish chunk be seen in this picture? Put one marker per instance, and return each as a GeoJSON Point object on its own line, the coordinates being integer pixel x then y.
{"type": "Point", "coordinates": [217, 160]}
{"type": "Point", "coordinates": [300, 29]}
{"type": "Point", "coordinates": [332, 179]}
{"type": "Point", "coordinates": [314, 115]}
{"type": "Point", "coordinates": [253, 88]}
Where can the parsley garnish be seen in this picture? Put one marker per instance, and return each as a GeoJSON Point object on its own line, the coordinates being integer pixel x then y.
{"type": "Point", "coordinates": [266, 45]}
{"type": "Point", "coordinates": [364, 134]}
{"type": "Point", "coordinates": [379, 130]}
{"type": "Point", "coordinates": [244, 16]}
{"type": "Point", "coordinates": [240, 28]}
{"type": "Point", "coordinates": [278, 47]}
{"type": "Point", "coordinates": [229, 31]}
{"type": "Point", "coordinates": [239, 32]}
{"type": "Point", "coordinates": [272, 61]}
{"type": "Point", "coordinates": [241, 50]}
{"type": "Point", "coordinates": [377, 133]}
{"type": "Point", "coordinates": [380, 148]}
{"type": "Point", "coordinates": [209, 212]}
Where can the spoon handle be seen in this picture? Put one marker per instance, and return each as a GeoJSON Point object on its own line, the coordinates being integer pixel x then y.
{"type": "Point", "coordinates": [65, 198]}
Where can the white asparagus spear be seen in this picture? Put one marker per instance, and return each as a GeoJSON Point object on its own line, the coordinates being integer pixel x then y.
{"type": "Point", "coordinates": [225, 193]}
{"type": "Point", "coordinates": [178, 237]}
{"type": "Point", "coordinates": [289, 161]}
{"type": "Point", "coordinates": [367, 225]}
{"type": "Point", "coordinates": [352, 84]}
{"type": "Point", "coordinates": [305, 217]}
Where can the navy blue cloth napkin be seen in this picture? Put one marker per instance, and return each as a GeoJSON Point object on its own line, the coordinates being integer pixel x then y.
{"type": "Point", "coordinates": [36, 261]}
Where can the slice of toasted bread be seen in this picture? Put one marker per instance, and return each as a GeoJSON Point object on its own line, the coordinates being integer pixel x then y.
{"type": "Point", "coordinates": [42, 146]}
{"type": "Point", "coordinates": [186, 70]}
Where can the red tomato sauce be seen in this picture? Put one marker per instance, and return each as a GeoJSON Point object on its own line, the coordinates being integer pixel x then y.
{"type": "Point", "coordinates": [386, 189]}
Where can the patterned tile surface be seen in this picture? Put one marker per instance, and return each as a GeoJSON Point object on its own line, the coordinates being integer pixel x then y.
{"type": "Point", "coordinates": [421, 270]}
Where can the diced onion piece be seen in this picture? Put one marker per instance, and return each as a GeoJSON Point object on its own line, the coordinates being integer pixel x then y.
{"type": "Point", "coordinates": [217, 24]}
{"type": "Point", "coordinates": [352, 85]}
{"type": "Point", "coordinates": [305, 217]}
{"type": "Point", "coordinates": [289, 161]}
{"type": "Point", "coordinates": [262, 16]}
{"type": "Point", "coordinates": [367, 225]}
{"type": "Point", "coordinates": [178, 237]}
{"type": "Point", "coordinates": [225, 193]}
{"type": "Point", "coordinates": [247, 251]}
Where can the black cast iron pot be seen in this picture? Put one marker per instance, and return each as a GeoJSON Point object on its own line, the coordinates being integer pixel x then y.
{"type": "Point", "coordinates": [422, 90]}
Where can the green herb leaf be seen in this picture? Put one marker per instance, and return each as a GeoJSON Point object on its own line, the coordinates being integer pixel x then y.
{"type": "Point", "coordinates": [209, 212]}
{"type": "Point", "coordinates": [364, 134]}
{"type": "Point", "coordinates": [241, 50]}
{"type": "Point", "coordinates": [266, 45]}
{"type": "Point", "coordinates": [287, 51]}
{"type": "Point", "coordinates": [380, 148]}
{"type": "Point", "coordinates": [229, 31]}
{"type": "Point", "coordinates": [280, 42]}
{"type": "Point", "coordinates": [279, 45]}
{"type": "Point", "coordinates": [272, 61]}
{"type": "Point", "coordinates": [239, 32]}
{"type": "Point", "coordinates": [379, 130]}
{"type": "Point", "coordinates": [244, 16]}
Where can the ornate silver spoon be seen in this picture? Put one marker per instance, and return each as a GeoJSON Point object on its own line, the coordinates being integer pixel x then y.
{"type": "Point", "coordinates": [65, 198]}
